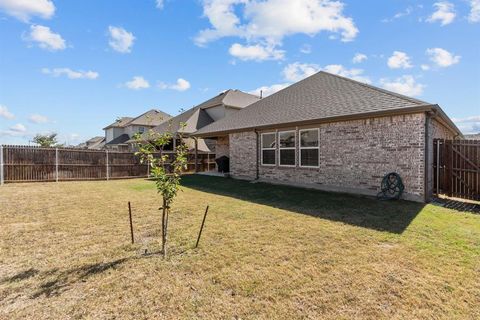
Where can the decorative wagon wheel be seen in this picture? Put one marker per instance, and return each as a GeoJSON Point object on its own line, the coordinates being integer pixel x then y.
{"type": "Point", "coordinates": [392, 187]}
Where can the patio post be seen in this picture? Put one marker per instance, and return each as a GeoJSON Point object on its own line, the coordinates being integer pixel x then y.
{"type": "Point", "coordinates": [196, 154]}
{"type": "Point", "coordinates": [1, 165]}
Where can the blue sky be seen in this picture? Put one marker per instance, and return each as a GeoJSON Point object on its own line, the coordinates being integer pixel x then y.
{"type": "Point", "coordinates": [73, 67]}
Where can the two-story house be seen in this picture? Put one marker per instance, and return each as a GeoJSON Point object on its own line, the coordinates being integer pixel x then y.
{"type": "Point", "coordinates": [121, 131]}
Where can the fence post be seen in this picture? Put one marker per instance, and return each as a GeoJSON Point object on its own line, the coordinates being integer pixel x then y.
{"type": "Point", "coordinates": [448, 167]}
{"type": "Point", "coordinates": [108, 173]}
{"type": "Point", "coordinates": [1, 165]}
{"type": "Point", "coordinates": [56, 164]}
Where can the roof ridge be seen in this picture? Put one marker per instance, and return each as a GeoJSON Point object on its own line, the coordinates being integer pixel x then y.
{"type": "Point", "coordinates": [397, 95]}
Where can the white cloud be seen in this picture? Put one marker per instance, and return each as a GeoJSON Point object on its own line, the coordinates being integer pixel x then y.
{"type": "Point", "coordinates": [474, 15]}
{"type": "Point", "coordinates": [37, 118]}
{"type": "Point", "coordinates": [120, 39]}
{"type": "Point", "coordinates": [468, 124]}
{"type": "Point", "coordinates": [399, 60]}
{"type": "Point", "coordinates": [297, 71]}
{"type": "Point", "coordinates": [159, 4]}
{"type": "Point", "coordinates": [445, 13]}
{"type": "Point", "coordinates": [46, 38]}
{"type": "Point", "coordinates": [442, 57]}
{"type": "Point", "coordinates": [4, 113]}
{"type": "Point", "coordinates": [71, 74]}
{"type": "Point", "coordinates": [400, 14]}
{"type": "Point", "coordinates": [306, 49]}
{"type": "Point", "coordinates": [255, 52]}
{"type": "Point", "coordinates": [137, 83]}
{"type": "Point", "coordinates": [18, 128]}
{"type": "Point", "coordinates": [405, 85]}
{"type": "Point", "coordinates": [180, 85]}
{"type": "Point", "coordinates": [269, 90]}
{"type": "Point", "coordinates": [359, 57]}
{"type": "Point", "coordinates": [258, 21]}
{"type": "Point", "coordinates": [425, 67]}
{"type": "Point", "coordinates": [23, 10]}
{"type": "Point", "coordinates": [355, 74]}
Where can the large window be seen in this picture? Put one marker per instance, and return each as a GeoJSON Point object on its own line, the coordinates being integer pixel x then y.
{"type": "Point", "coordinates": [309, 147]}
{"type": "Point", "coordinates": [268, 149]}
{"type": "Point", "coordinates": [286, 144]}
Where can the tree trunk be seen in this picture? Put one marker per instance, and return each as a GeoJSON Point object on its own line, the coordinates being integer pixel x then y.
{"type": "Point", "coordinates": [164, 233]}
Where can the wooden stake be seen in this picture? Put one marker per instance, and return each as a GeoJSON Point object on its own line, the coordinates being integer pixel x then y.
{"type": "Point", "coordinates": [131, 222]}
{"type": "Point", "coordinates": [201, 228]}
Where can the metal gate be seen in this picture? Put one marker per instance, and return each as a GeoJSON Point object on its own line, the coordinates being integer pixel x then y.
{"type": "Point", "coordinates": [456, 168]}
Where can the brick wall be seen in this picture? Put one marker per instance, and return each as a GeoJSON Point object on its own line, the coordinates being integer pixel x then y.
{"type": "Point", "coordinates": [243, 155]}
{"type": "Point", "coordinates": [354, 156]}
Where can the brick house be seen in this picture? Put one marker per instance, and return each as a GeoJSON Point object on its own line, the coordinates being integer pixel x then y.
{"type": "Point", "coordinates": [335, 134]}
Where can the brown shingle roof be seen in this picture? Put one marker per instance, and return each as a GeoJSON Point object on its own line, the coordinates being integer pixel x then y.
{"type": "Point", "coordinates": [320, 96]}
{"type": "Point", "coordinates": [196, 117]}
{"type": "Point", "coordinates": [119, 123]}
{"type": "Point", "coordinates": [150, 118]}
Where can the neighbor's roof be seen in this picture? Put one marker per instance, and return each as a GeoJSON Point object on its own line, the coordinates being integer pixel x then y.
{"type": "Point", "coordinates": [119, 123]}
{"type": "Point", "coordinates": [321, 96]}
{"type": "Point", "coordinates": [196, 117]}
{"type": "Point", "coordinates": [150, 118]}
{"type": "Point", "coordinates": [231, 98]}
{"type": "Point", "coordinates": [123, 138]}
{"type": "Point", "coordinates": [193, 119]}
{"type": "Point", "coordinates": [95, 143]}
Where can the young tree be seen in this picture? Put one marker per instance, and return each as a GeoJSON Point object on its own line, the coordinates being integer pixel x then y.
{"type": "Point", "coordinates": [46, 140]}
{"type": "Point", "coordinates": [164, 171]}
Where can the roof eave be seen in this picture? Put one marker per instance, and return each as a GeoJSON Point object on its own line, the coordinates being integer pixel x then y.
{"type": "Point", "coordinates": [400, 111]}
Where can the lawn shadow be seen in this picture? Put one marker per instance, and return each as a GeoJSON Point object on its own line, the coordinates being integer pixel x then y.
{"type": "Point", "coordinates": [21, 275]}
{"type": "Point", "coordinates": [64, 279]}
{"type": "Point", "coordinates": [390, 216]}
{"type": "Point", "coordinates": [58, 281]}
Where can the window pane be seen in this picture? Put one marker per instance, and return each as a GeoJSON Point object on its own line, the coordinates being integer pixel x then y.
{"type": "Point", "coordinates": [287, 139]}
{"type": "Point", "coordinates": [309, 157]}
{"type": "Point", "coordinates": [268, 156]}
{"type": "Point", "coordinates": [287, 157]}
{"type": "Point", "coordinates": [309, 138]}
{"type": "Point", "coordinates": [268, 140]}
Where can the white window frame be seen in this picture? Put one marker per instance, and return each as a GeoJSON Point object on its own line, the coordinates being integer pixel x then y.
{"type": "Point", "coordinates": [262, 148]}
{"type": "Point", "coordinates": [300, 148]}
{"type": "Point", "coordinates": [294, 148]}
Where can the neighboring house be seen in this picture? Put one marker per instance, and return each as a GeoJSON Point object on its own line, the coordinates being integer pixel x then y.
{"type": "Point", "coordinates": [121, 131]}
{"type": "Point", "coordinates": [336, 134]}
{"type": "Point", "coordinates": [95, 143]}
{"type": "Point", "coordinates": [225, 104]}
{"type": "Point", "coordinates": [472, 136]}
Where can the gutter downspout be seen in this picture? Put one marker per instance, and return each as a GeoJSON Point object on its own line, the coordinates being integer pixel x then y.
{"type": "Point", "coordinates": [257, 173]}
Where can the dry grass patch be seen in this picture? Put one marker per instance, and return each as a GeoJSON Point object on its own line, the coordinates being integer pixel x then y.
{"type": "Point", "coordinates": [266, 252]}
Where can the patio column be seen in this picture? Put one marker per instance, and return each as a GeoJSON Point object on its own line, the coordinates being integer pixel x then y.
{"type": "Point", "coordinates": [196, 154]}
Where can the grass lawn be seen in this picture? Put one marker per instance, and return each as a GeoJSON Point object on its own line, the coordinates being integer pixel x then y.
{"type": "Point", "coordinates": [267, 252]}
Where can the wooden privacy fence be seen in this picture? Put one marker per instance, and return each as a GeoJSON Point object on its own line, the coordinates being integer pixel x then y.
{"type": "Point", "coordinates": [29, 164]}
{"type": "Point", "coordinates": [456, 168]}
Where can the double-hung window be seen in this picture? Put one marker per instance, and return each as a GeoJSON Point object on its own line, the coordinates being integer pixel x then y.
{"type": "Point", "coordinates": [286, 150]}
{"type": "Point", "coordinates": [309, 147]}
{"type": "Point", "coordinates": [268, 149]}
